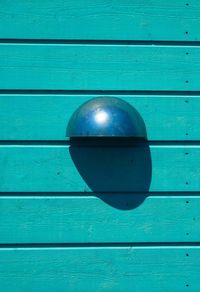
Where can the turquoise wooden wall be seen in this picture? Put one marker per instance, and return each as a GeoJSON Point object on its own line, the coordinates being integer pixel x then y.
{"type": "Point", "coordinates": [91, 217]}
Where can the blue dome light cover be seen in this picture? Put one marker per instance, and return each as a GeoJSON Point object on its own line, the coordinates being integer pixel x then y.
{"type": "Point", "coordinates": [106, 117]}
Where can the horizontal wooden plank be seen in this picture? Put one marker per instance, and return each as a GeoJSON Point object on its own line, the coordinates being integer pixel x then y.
{"type": "Point", "coordinates": [116, 20]}
{"type": "Point", "coordinates": [96, 269]}
{"type": "Point", "coordinates": [60, 168]}
{"type": "Point", "coordinates": [45, 117]}
{"type": "Point", "coordinates": [99, 67]}
{"type": "Point", "coordinates": [108, 218]}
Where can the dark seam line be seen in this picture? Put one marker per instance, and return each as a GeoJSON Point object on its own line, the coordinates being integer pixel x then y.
{"type": "Point", "coordinates": [93, 194]}
{"type": "Point", "coordinates": [103, 244]}
{"type": "Point", "coordinates": [98, 92]}
{"type": "Point", "coordinates": [100, 42]}
{"type": "Point", "coordinates": [103, 142]}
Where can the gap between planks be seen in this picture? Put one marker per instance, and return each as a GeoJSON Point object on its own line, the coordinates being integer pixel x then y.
{"type": "Point", "coordinates": [160, 93]}
{"type": "Point", "coordinates": [57, 195]}
{"type": "Point", "coordinates": [99, 42]}
{"type": "Point", "coordinates": [100, 143]}
{"type": "Point", "coordinates": [139, 245]}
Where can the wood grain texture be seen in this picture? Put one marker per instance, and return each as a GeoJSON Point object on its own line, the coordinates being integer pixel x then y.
{"type": "Point", "coordinates": [99, 67]}
{"type": "Point", "coordinates": [51, 168]}
{"type": "Point", "coordinates": [98, 269]}
{"type": "Point", "coordinates": [45, 117]}
{"type": "Point", "coordinates": [90, 219]}
{"type": "Point", "coordinates": [116, 20]}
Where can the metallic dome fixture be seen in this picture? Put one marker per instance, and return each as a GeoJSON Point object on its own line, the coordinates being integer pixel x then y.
{"type": "Point", "coordinates": [106, 117]}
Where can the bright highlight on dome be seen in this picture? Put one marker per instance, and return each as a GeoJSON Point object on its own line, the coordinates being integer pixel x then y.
{"type": "Point", "coordinates": [101, 117]}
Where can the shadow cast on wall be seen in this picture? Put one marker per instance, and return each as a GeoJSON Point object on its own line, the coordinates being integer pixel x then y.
{"type": "Point", "coordinates": [115, 172]}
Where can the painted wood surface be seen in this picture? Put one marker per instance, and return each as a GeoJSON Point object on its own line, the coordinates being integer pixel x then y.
{"type": "Point", "coordinates": [60, 168]}
{"type": "Point", "coordinates": [100, 269]}
{"type": "Point", "coordinates": [104, 20]}
{"type": "Point", "coordinates": [118, 218]}
{"type": "Point", "coordinates": [45, 117]}
{"type": "Point", "coordinates": [103, 219]}
{"type": "Point", "coordinates": [99, 67]}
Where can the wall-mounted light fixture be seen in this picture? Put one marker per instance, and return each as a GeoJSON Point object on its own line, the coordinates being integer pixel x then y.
{"type": "Point", "coordinates": [106, 117]}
